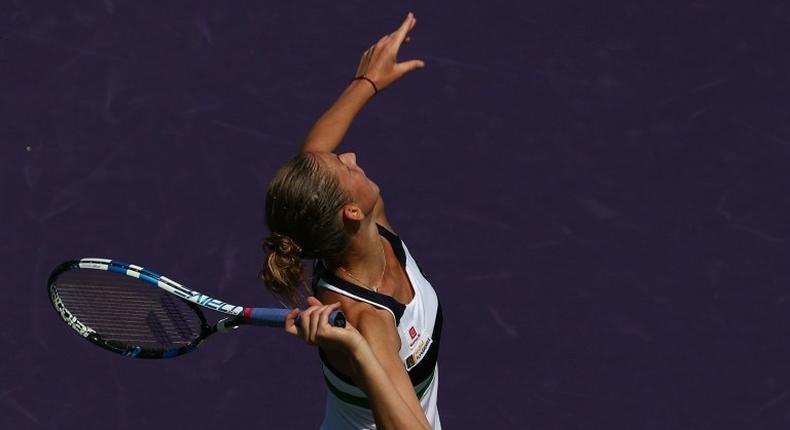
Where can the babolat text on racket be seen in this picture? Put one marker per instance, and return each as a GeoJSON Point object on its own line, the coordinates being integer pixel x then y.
{"type": "Point", "coordinates": [137, 312]}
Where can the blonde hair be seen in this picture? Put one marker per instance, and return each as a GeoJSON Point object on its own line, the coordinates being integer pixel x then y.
{"type": "Point", "coordinates": [303, 206]}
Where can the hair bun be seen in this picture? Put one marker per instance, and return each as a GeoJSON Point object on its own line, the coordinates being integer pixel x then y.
{"type": "Point", "coordinates": [283, 245]}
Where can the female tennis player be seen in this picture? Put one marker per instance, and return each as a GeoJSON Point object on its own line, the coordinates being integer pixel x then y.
{"type": "Point", "coordinates": [381, 370]}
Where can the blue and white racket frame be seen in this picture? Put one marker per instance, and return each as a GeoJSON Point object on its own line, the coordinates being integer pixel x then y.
{"type": "Point", "coordinates": [237, 315]}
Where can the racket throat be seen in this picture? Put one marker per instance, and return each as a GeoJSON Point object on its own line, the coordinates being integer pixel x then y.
{"type": "Point", "coordinates": [228, 324]}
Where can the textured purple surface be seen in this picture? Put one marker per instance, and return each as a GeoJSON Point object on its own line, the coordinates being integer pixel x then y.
{"type": "Point", "coordinates": [599, 194]}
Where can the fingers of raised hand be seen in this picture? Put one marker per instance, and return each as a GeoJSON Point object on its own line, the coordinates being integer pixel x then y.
{"type": "Point", "coordinates": [408, 66]}
{"type": "Point", "coordinates": [400, 34]}
{"type": "Point", "coordinates": [389, 40]}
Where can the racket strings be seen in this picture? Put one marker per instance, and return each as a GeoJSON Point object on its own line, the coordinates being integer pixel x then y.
{"type": "Point", "coordinates": [128, 311]}
{"type": "Point", "coordinates": [157, 329]}
{"type": "Point", "coordinates": [173, 308]}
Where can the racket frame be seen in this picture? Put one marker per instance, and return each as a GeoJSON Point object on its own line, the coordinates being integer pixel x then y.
{"type": "Point", "coordinates": [237, 315]}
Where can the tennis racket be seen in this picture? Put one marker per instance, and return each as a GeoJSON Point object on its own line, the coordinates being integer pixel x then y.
{"type": "Point", "coordinates": [139, 313]}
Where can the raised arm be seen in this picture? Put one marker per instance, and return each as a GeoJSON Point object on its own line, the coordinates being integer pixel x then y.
{"type": "Point", "coordinates": [328, 131]}
{"type": "Point", "coordinates": [379, 64]}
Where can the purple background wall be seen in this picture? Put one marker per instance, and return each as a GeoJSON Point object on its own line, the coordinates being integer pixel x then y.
{"type": "Point", "coordinates": [599, 192]}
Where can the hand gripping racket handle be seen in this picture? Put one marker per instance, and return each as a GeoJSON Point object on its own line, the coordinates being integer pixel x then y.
{"type": "Point", "coordinates": [276, 317]}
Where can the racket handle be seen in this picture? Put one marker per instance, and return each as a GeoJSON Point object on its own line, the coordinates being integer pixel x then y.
{"type": "Point", "coordinates": [271, 317]}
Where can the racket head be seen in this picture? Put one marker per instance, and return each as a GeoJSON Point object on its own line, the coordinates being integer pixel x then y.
{"type": "Point", "coordinates": [124, 314]}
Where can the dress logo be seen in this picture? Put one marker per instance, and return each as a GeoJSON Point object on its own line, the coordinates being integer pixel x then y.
{"type": "Point", "coordinates": [415, 358]}
{"type": "Point", "coordinates": [414, 336]}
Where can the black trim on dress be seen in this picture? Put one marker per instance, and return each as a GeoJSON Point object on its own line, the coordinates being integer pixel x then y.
{"type": "Point", "coordinates": [424, 369]}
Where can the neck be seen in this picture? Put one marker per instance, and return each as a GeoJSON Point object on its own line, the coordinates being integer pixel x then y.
{"type": "Point", "coordinates": [364, 258]}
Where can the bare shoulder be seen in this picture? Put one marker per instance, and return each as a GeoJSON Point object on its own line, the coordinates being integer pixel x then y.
{"type": "Point", "coordinates": [347, 304]}
{"type": "Point", "coordinates": [380, 217]}
{"type": "Point", "coordinates": [357, 313]}
{"type": "Point", "coordinates": [377, 326]}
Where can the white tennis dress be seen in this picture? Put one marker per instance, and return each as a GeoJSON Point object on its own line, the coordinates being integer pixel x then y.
{"type": "Point", "coordinates": [419, 326]}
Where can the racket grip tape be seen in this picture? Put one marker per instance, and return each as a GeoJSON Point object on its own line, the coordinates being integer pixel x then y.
{"type": "Point", "coordinates": [271, 317]}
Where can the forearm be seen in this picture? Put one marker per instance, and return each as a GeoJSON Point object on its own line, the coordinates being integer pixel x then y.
{"type": "Point", "coordinates": [389, 408]}
{"type": "Point", "coordinates": [327, 133]}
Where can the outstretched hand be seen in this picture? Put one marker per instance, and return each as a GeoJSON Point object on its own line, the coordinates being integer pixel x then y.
{"type": "Point", "coordinates": [379, 62]}
{"type": "Point", "coordinates": [314, 328]}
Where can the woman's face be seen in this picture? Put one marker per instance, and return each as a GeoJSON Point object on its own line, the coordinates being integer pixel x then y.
{"type": "Point", "coordinates": [361, 190]}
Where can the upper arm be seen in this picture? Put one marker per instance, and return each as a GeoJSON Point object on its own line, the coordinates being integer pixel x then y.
{"type": "Point", "coordinates": [378, 328]}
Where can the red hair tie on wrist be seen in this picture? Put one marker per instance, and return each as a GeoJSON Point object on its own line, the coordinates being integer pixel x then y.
{"type": "Point", "coordinates": [371, 83]}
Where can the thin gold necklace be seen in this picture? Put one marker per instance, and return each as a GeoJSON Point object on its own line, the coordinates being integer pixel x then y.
{"type": "Point", "coordinates": [381, 278]}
